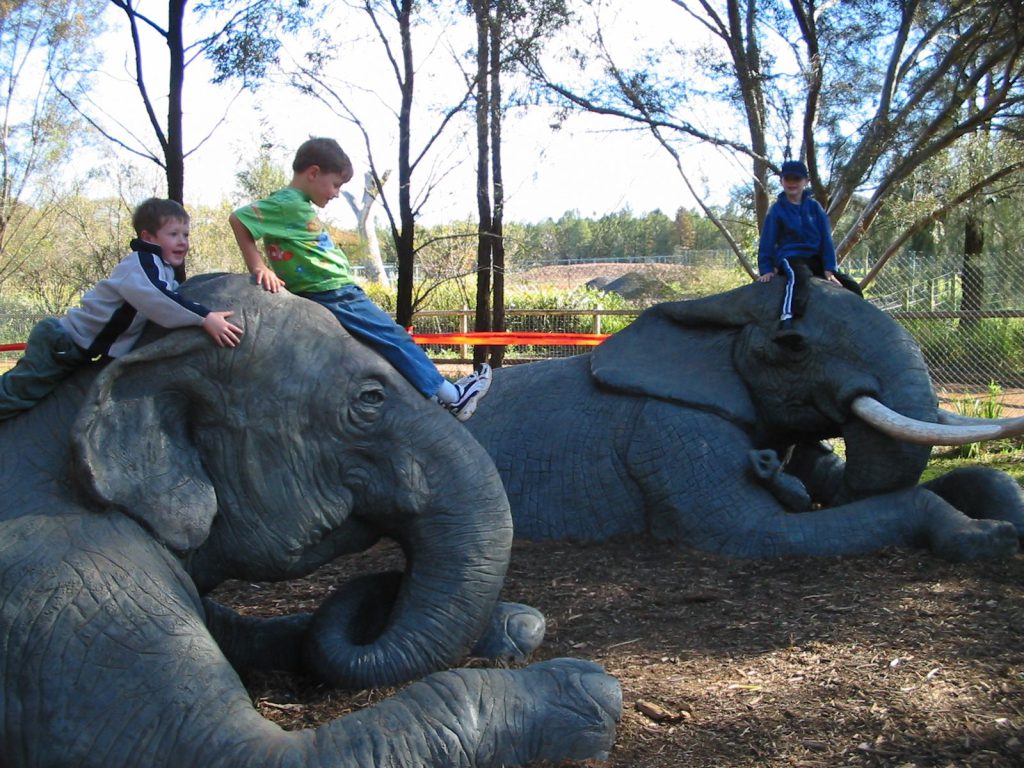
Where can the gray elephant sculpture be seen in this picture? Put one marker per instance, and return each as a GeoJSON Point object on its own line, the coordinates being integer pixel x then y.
{"type": "Point", "coordinates": [130, 493]}
{"type": "Point", "coordinates": [702, 423]}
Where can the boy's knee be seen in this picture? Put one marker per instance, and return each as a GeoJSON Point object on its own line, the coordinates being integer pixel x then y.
{"type": "Point", "coordinates": [48, 338]}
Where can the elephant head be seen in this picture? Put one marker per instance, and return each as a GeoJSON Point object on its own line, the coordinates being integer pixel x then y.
{"type": "Point", "coordinates": [845, 369]}
{"type": "Point", "coordinates": [265, 461]}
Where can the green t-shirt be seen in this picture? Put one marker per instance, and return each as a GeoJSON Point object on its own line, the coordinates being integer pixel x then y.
{"type": "Point", "coordinates": [298, 246]}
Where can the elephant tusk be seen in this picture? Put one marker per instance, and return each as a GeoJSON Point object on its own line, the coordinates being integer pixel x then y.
{"type": "Point", "coordinates": [952, 430]}
{"type": "Point", "coordinates": [959, 420]}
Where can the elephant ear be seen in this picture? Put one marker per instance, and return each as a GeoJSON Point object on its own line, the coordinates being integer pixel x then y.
{"type": "Point", "coordinates": [683, 351]}
{"type": "Point", "coordinates": [131, 445]}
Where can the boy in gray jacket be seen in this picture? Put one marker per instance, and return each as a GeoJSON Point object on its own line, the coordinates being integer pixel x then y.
{"type": "Point", "coordinates": [111, 317]}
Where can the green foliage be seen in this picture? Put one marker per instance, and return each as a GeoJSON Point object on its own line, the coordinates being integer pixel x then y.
{"type": "Point", "coordinates": [261, 176]}
{"type": "Point", "coordinates": [572, 238]}
{"type": "Point", "coordinates": [45, 51]}
{"type": "Point", "coordinates": [248, 40]}
{"type": "Point", "coordinates": [213, 247]}
{"type": "Point", "coordinates": [554, 300]}
{"type": "Point", "coordinates": [709, 280]}
{"type": "Point", "coordinates": [381, 296]}
{"type": "Point", "coordinates": [1010, 462]}
{"type": "Point", "coordinates": [18, 314]}
{"type": "Point", "coordinates": [988, 407]}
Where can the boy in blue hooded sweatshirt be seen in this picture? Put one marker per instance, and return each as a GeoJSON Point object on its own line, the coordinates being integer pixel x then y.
{"type": "Point", "coordinates": [797, 242]}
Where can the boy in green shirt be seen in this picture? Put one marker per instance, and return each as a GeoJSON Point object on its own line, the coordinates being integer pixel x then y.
{"type": "Point", "coordinates": [305, 260]}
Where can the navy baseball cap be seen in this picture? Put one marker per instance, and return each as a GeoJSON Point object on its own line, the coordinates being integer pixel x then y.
{"type": "Point", "coordinates": [794, 168]}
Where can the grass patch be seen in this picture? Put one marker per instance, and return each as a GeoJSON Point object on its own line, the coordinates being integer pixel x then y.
{"type": "Point", "coordinates": [1009, 461]}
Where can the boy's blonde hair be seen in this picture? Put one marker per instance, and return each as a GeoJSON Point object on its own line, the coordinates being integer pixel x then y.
{"type": "Point", "coordinates": [151, 214]}
{"type": "Point", "coordinates": [324, 152]}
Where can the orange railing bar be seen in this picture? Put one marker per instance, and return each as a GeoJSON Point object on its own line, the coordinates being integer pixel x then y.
{"type": "Point", "coordinates": [512, 338]}
{"type": "Point", "coordinates": [490, 339]}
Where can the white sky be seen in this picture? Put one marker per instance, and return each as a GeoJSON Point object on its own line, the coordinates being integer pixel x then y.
{"type": "Point", "coordinates": [593, 164]}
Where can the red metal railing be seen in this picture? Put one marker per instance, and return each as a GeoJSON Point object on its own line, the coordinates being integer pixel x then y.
{"type": "Point", "coordinates": [491, 339]}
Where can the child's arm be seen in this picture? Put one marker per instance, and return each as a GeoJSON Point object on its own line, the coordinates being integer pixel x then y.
{"type": "Point", "coordinates": [224, 333]}
{"type": "Point", "coordinates": [137, 279]}
{"type": "Point", "coordinates": [766, 247]}
{"type": "Point", "coordinates": [253, 258]}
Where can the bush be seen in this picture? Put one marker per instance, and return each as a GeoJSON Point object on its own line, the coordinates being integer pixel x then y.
{"type": "Point", "coordinates": [988, 407]}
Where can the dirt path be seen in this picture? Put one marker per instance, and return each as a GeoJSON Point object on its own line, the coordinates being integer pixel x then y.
{"type": "Point", "coordinates": [895, 659]}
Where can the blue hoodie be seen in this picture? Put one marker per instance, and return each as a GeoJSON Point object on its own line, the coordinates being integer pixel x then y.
{"type": "Point", "coordinates": [796, 231]}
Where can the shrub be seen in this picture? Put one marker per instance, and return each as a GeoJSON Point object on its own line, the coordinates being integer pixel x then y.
{"type": "Point", "coordinates": [988, 407]}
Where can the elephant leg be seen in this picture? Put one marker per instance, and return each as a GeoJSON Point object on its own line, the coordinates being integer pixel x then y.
{"type": "Point", "coordinates": [914, 517]}
{"type": "Point", "coordinates": [563, 709]}
{"type": "Point", "coordinates": [106, 651]}
{"type": "Point", "coordinates": [982, 493]}
{"type": "Point", "coordinates": [253, 643]}
{"type": "Point", "coordinates": [109, 665]}
{"type": "Point", "coordinates": [748, 521]}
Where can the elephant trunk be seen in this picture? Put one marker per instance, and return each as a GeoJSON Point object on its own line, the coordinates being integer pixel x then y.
{"type": "Point", "coordinates": [390, 628]}
{"type": "Point", "coordinates": [876, 461]}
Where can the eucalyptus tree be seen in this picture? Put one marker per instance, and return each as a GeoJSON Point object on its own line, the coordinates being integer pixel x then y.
{"type": "Point", "coordinates": [400, 42]}
{"type": "Point", "coordinates": [509, 34]}
{"type": "Point", "coordinates": [45, 47]}
{"type": "Point", "coordinates": [241, 39]}
{"type": "Point", "coordinates": [868, 92]}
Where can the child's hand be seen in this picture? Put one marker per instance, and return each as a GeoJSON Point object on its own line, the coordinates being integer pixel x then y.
{"type": "Point", "coordinates": [766, 278]}
{"type": "Point", "coordinates": [221, 331]}
{"type": "Point", "coordinates": [831, 277]}
{"type": "Point", "coordinates": [268, 280]}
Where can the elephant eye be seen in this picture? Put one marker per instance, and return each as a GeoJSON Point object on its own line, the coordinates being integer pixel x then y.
{"type": "Point", "coordinates": [364, 407]}
{"type": "Point", "coordinates": [371, 397]}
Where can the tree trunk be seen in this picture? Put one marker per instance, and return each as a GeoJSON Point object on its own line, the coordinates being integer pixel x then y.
{"type": "Point", "coordinates": [174, 152]}
{"type": "Point", "coordinates": [174, 148]}
{"type": "Point", "coordinates": [367, 231]}
{"type": "Point", "coordinates": [972, 276]}
{"type": "Point", "coordinates": [405, 238]}
{"type": "Point", "coordinates": [497, 241]}
{"type": "Point", "coordinates": [746, 56]}
{"type": "Point", "coordinates": [482, 321]}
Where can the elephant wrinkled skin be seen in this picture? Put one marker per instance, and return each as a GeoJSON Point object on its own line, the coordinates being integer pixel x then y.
{"type": "Point", "coordinates": [187, 465]}
{"type": "Point", "coordinates": [679, 425]}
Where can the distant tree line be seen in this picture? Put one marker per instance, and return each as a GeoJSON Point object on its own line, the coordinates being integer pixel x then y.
{"type": "Point", "coordinates": [450, 249]}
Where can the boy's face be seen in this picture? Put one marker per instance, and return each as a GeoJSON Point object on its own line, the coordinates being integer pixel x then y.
{"type": "Point", "coordinates": [172, 237]}
{"type": "Point", "coordinates": [323, 186]}
{"type": "Point", "coordinates": [793, 186]}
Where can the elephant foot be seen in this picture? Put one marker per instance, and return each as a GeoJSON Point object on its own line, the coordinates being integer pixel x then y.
{"type": "Point", "coordinates": [975, 540]}
{"type": "Point", "coordinates": [982, 493]}
{"type": "Point", "coordinates": [563, 709]}
{"type": "Point", "coordinates": [515, 632]}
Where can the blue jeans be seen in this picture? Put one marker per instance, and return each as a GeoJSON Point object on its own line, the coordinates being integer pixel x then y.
{"type": "Point", "coordinates": [374, 327]}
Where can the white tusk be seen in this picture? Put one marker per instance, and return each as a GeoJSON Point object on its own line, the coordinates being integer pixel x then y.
{"type": "Point", "coordinates": [952, 430]}
{"type": "Point", "coordinates": [959, 420]}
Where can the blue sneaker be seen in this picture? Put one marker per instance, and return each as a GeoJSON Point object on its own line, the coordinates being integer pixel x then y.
{"type": "Point", "coordinates": [471, 388]}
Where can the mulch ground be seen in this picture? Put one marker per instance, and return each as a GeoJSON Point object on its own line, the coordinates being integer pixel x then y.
{"type": "Point", "coordinates": [894, 659]}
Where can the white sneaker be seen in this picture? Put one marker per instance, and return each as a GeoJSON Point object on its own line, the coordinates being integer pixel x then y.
{"type": "Point", "coordinates": [470, 388]}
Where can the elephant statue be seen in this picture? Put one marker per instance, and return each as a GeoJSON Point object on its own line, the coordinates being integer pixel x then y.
{"type": "Point", "coordinates": [138, 486]}
{"type": "Point", "coordinates": [702, 423]}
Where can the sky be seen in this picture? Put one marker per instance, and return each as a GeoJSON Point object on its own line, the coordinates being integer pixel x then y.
{"type": "Point", "coordinates": [592, 164]}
